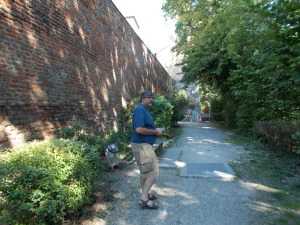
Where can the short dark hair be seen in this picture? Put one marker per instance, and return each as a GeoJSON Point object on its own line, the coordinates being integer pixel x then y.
{"type": "Point", "coordinates": [146, 93]}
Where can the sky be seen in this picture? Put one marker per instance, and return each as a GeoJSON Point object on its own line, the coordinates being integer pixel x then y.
{"type": "Point", "coordinates": [154, 30]}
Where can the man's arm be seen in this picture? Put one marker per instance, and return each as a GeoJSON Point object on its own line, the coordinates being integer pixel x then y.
{"type": "Point", "coordinates": [146, 131]}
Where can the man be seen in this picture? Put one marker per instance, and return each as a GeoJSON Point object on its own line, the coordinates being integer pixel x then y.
{"type": "Point", "coordinates": [144, 136]}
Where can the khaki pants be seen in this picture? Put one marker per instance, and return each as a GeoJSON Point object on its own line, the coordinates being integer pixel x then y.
{"type": "Point", "coordinates": [146, 159]}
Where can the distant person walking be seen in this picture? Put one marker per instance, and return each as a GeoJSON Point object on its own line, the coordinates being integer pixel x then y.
{"type": "Point", "coordinates": [144, 136]}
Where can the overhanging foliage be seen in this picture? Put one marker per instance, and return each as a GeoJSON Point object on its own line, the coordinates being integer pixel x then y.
{"type": "Point", "coordinates": [247, 50]}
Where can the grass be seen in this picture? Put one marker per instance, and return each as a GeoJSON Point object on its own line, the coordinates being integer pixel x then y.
{"type": "Point", "coordinates": [272, 171]}
{"type": "Point", "coordinates": [241, 140]}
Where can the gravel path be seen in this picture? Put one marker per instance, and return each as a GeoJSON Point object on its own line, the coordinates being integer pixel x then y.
{"type": "Point", "coordinates": [190, 200]}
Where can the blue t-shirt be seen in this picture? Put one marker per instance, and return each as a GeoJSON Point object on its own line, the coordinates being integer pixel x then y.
{"type": "Point", "coordinates": [141, 117]}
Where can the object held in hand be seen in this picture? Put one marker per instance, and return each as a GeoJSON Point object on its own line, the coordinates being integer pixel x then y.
{"type": "Point", "coordinates": [161, 129]}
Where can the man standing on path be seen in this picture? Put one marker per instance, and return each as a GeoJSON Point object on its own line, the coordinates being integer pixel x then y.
{"type": "Point", "coordinates": [144, 136]}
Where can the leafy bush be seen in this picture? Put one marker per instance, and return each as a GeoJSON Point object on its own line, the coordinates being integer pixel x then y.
{"type": "Point", "coordinates": [161, 111]}
{"type": "Point", "coordinates": [77, 131]}
{"type": "Point", "coordinates": [296, 137]}
{"type": "Point", "coordinates": [278, 134]}
{"type": "Point", "coordinates": [177, 115]}
{"type": "Point", "coordinates": [245, 116]}
{"type": "Point", "coordinates": [180, 102]}
{"type": "Point", "coordinates": [229, 113]}
{"type": "Point", "coordinates": [121, 137]}
{"type": "Point", "coordinates": [218, 117]}
{"type": "Point", "coordinates": [42, 182]}
{"type": "Point", "coordinates": [74, 130]}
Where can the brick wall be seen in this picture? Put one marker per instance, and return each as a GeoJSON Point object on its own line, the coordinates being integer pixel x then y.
{"type": "Point", "coordinates": [62, 58]}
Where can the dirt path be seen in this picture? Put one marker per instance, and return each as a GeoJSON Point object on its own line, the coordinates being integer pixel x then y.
{"type": "Point", "coordinates": [190, 200]}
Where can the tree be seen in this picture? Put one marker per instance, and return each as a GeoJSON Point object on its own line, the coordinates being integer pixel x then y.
{"type": "Point", "coordinates": [248, 51]}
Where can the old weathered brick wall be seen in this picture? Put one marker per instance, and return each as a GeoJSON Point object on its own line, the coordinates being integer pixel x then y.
{"type": "Point", "coordinates": [62, 58]}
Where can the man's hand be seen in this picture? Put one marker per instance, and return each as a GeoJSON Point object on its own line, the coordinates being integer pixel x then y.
{"type": "Point", "coordinates": [159, 132]}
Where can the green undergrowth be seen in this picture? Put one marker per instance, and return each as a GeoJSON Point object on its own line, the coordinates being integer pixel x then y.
{"type": "Point", "coordinates": [277, 177]}
{"type": "Point", "coordinates": [241, 140]}
{"type": "Point", "coordinates": [44, 182]}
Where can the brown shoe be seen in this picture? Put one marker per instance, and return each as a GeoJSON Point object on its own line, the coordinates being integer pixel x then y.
{"type": "Point", "coordinates": [152, 197]}
{"type": "Point", "coordinates": [146, 205]}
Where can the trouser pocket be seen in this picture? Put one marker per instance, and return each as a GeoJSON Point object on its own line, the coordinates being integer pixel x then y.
{"type": "Point", "coordinates": [146, 157]}
{"type": "Point", "coordinates": [146, 166]}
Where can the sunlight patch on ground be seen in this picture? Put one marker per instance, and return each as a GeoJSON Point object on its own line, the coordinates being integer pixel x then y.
{"type": "Point", "coordinates": [120, 195]}
{"type": "Point", "coordinates": [204, 141]}
{"type": "Point", "coordinates": [190, 138]}
{"type": "Point", "coordinates": [224, 176]}
{"type": "Point", "coordinates": [218, 170]}
{"type": "Point", "coordinates": [175, 193]}
{"type": "Point", "coordinates": [201, 153]}
{"type": "Point", "coordinates": [265, 207]}
{"type": "Point", "coordinates": [180, 164]}
{"type": "Point", "coordinates": [190, 202]}
{"type": "Point", "coordinates": [162, 215]}
{"type": "Point", "coordinates": [134, 172]}
{"type": "Point", "coordinates": [259, 187]}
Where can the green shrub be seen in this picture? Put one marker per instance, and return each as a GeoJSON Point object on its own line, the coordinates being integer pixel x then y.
{"type": "Point", "coordinates": [77, 131]}
{"type": "Point", "coordinates": [229, 113]}
{"type": "Point", "coordinates": [180, 101]}
{"type": "Point", "coordinates": [73, 130]}
{"type": "Point", "coordinates": [245, 117]}
{"type": "Point", "coordinates": [162, 113]}
{"type": "Point", "coordinates": [120, 137]}
{"type": "Point", "coordinates": [42, 182]}
{"type": "Point", "coordinates": [278, 134]}
{"type": "Point", "coordinates": [296, 137]}
{"type": "Point", "coordinates": [218, 117]}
